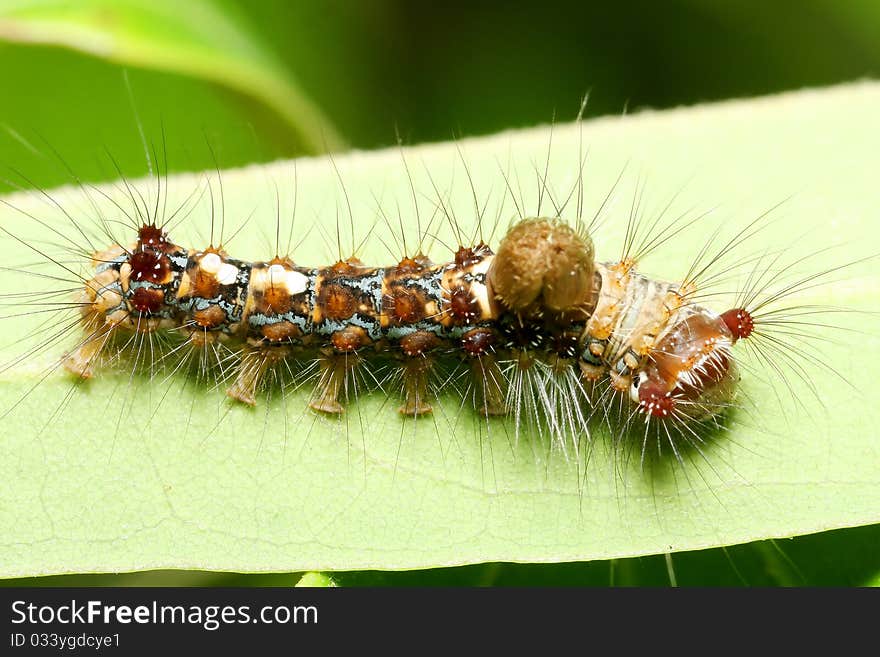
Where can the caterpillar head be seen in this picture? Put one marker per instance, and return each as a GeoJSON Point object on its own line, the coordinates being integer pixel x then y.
{"type": "Point", "coordinates": [690, 372]}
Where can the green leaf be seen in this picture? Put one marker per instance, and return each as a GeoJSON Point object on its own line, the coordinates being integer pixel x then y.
{"type": "Point", "coordinates": [95, 96]}
{"type": "Point", "coordinates": [198, 38]}
{"type": "Point", "coordinates": [126, 473]}
{"type": "Point", "coordinates": [315, 580]}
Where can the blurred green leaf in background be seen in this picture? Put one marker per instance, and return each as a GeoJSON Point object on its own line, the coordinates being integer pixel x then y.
{"type": "Point", "coordinates": [202, 72]}
{"type": "Point", "coordinates": [273, 78]}
{"type": "Point", "coordinates": [229, 83]}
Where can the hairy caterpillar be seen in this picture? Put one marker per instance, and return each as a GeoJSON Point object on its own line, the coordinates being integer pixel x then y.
{"type": "Point", "coordinates": [541, 301]}
{"type": "Point", "coordinates": [443, 205]}
{"type": "Point", "coordinates": [540, 330]}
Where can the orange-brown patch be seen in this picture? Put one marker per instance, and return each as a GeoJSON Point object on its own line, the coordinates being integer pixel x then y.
{"type": "Point", "coordinates": [204, 284]}
{"type": "Point", "coordinates": [269, 294]}
{"type": "Point", "coordinates": [336, 301]}
{"type": "Point", "coordinates": [280, 331]}
{"type": "Point", "coordinates": [210, 317]}
{"type": "Point", "coordinates": [404, 306]}
{"type": "Point", "coordinates": [276, 299]}
{"type": "Point", "coordinates": [416, 344]}
{"type": "Point", "coordinates": [350, 338]}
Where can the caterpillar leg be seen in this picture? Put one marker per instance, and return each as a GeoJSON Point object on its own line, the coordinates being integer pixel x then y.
{"type": "Point", "coordinates": [335, 376]}
{"type": "Point", "coordinates": [488, 380]}
{"type": "Point", "coordinates": [416, 371]}
{"type": "Point", "coordinates": [255, 361]}
{"type": "Point", "coordinates": [102, 310]}
{"type": "Point", "coordinates": [336, 369]}
{"type": "Point", "coordinates": [81, 360]}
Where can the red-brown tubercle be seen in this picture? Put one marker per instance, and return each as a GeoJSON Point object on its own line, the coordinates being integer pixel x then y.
{"type": "Point", "coordinates": [739, 321]}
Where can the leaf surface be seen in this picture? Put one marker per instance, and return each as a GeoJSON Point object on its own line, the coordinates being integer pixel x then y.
{"type": "Point", "coordinates": [128, 473]}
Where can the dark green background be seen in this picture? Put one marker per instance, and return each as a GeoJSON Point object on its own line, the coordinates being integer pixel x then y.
{"type": "Point", "coordinates": [430, 71]}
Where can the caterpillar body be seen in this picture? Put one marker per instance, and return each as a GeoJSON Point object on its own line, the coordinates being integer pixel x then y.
{"type": "Point", "coordinates": [540, 298]}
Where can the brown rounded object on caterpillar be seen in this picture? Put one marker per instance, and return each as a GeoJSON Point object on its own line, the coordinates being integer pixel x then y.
{"type": "Point", "coordinates": [463, 307]}
{"type": "Point", "coordinates": [418, 343]}
{"type": "Point", "coordinates": [146, 300]}
{"type": "Point", "coordinates": [739, 321]}
{"type": "Point", "coordinates": [543, 262]}
{"type": "Point", "coordinates": [149, 266]}
{"type": "Point", "coordinates": [350, 338]}
{"type": "Point", "coordinates": [211, 317]}
{"type": "Point", "coordinates": [281, 331]}
{"type": "Point", "coordinates": [404, 306]}
{"type": "Point", "coordinates": [478, 341]}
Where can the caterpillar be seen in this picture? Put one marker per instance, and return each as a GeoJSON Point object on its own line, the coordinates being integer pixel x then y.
{"type": "Point", "coordinates": [537, 329]}
{"type": "Point", "coordinates": [542, 390]}
{"type": "Point", "coordinates": [541, 298]}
